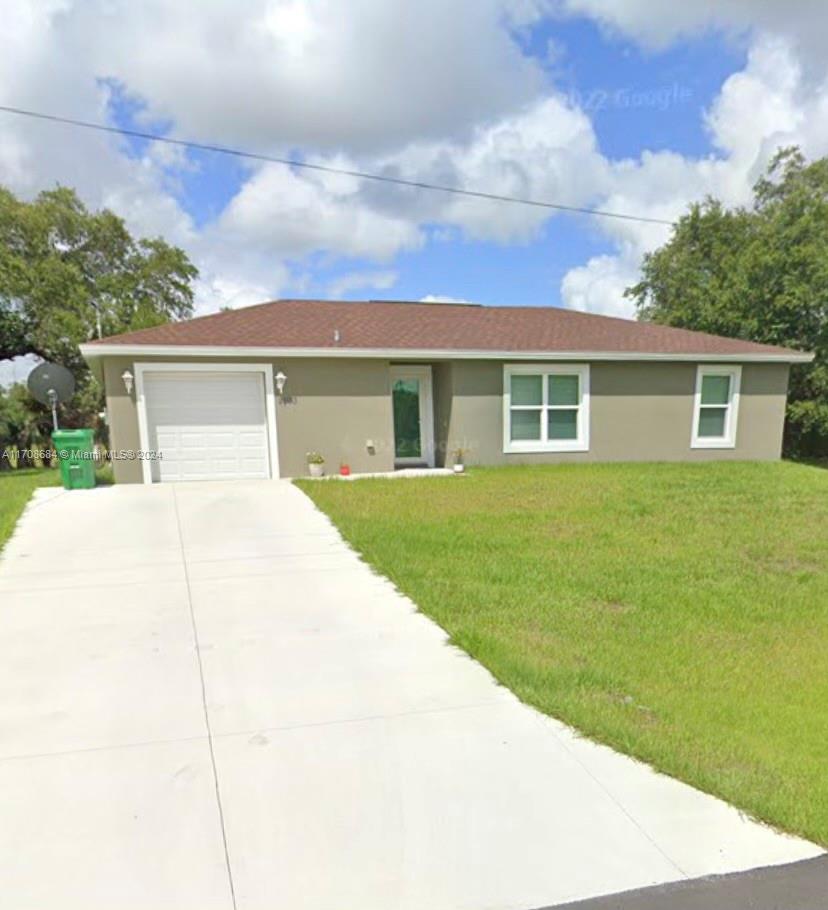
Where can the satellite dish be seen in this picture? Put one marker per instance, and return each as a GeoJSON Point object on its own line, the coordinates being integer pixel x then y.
{"type": "Point", "coordinates": [51, 384]}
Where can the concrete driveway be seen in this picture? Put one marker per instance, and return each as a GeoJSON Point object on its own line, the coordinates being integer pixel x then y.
{"type": "Point", "coordinates": [209, 702]}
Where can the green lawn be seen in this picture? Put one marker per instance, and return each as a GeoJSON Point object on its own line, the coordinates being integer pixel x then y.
{"type": "Point", "coordinates": [676, 612]}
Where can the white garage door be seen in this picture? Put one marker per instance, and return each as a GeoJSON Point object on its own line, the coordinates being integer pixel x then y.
{"type": "Point", "coordinates": [207, 426]}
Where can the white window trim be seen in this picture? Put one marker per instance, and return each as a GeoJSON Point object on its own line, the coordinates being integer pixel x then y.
{"type": "Point", "coordinates": [581, 443]}
{"type": "Point", "coordinates": [728, 441]}
{"type": "Point", "coordinates": [141, 369]}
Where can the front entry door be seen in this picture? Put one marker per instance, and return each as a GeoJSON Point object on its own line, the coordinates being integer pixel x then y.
{"type": "Point", "coordinates": [413, 415]}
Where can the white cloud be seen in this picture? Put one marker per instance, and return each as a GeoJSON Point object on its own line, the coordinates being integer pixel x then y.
{"type": "Point", "coordinates": [656, 23]}
{"type": "Point", "coordinates": [442, 298]}
{"type": "Point", "coordinates": [770, 103]}
{"type": "Point", "coordinates": [354, 281]}
{"type": "Point", "coordinates": [546, 150]}
{"type": "Point", "coordinates": [321, 73]}
{"type": "Point", "coordinates": [218, 291]}
{"type": "Point", "coordinates": [285, 213]}
{"type": "Point", "coordinates": [598, 286]}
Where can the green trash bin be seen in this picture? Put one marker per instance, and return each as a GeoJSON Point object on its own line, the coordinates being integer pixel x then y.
{"type": "Point", "coordinates": [76, 455]}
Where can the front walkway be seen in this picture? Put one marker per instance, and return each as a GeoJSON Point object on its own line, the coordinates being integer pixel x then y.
{"type": "Point", "coordinates": [210, 702]}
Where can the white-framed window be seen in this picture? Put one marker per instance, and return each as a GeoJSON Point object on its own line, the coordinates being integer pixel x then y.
{"type": "Point", "coordinates": [545, 407]}
{"type": "Point", "coordinates": [716, 406]}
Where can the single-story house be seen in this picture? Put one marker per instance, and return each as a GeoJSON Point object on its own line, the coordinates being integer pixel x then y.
{"type": "Point", "coordinates": [378, 385]}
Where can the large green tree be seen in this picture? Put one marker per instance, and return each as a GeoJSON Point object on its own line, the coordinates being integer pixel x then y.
{"type": "Point", "coordinates": [758, 273]}
{"type": "Point", "coordinates": [68, 274]}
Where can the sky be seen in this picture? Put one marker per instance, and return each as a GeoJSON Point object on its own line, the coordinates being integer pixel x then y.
{"type": "Point", "coordinates": [635, 106]}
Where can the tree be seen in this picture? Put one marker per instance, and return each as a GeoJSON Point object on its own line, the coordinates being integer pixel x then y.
{"type": "Point", "coordinates": [25, 425]}
{"type": "Point", "coordinates": [68, 275]}
{"type": "Point", "coordinates": [758, 273]}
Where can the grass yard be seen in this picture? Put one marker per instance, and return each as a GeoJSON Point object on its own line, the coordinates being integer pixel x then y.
{"type": "Point", "coordinates": [676, 612]}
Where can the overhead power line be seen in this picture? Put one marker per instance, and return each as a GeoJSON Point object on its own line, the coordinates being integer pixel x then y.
{"type": "Point", "coordinates": [327, 169]}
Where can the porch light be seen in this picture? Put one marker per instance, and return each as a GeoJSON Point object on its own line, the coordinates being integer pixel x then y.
{"type": "Point", "coordinates": [127, 377]}
{"type": "Point", "coordinates": [281, 379]}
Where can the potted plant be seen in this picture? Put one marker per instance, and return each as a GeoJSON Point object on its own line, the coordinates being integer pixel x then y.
{"type": "Point", "coordinates": [316, 464]}
{"type": "Point", "coordinates": [459, 465]}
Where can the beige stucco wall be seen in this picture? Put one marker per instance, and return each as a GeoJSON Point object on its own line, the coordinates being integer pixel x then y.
{"type": "Point", "coordinates": [639, 412]}
{"type": "Point", "coordinates": [336, 407]}
{"type": "Point", "coordinates": [122, 419]}
{"type": "Point", "coordinates": [441, 380]}
{"type": "Point", "coordinates": [332, 406]}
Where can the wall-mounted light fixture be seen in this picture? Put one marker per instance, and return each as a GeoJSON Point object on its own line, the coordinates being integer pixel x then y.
{"type": "Point", "coordinates": [127, 377]}
{"type": "Point", "coordinates": [281, 379]}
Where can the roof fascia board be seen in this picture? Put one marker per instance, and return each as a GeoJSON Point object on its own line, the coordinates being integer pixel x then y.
{"type": "Point", "coordinates": [95, 351]}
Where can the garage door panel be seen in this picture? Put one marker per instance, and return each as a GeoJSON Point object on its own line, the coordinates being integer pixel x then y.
{"type": "Point", "coordinates": [166, 439]}
{"type": "Point", "coordinates": [207, 425]}
{"type": "Point", "coordinates": [197, 416]}
{"type": "Point", "coordinates": [253, 467]}
{"type": "Point", "coordinates": [188, 470]}
{"type": "Point", "coordinates": [250, 438]}
{"type": "Point", "coordinates": [206, 437]}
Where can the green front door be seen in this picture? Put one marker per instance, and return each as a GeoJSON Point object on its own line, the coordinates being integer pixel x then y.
{"type": "Point", "coordinates": [407, 441]}
{"type": "Point", "coordinates": [411, 401]}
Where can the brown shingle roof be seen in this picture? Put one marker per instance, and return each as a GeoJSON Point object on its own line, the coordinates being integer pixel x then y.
{"type": "Point", "coordinates": [385, 325]}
